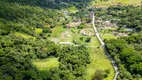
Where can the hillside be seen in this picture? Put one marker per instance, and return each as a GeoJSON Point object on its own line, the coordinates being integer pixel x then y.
{"type": "Point", "coordinates": [56, 4]}
{"type": "Point", "coordinates": [27, 53]}
{"type": "Point", "coordinates": [106, 3]}
{"type": "Point", "coordinates": [70, 39]}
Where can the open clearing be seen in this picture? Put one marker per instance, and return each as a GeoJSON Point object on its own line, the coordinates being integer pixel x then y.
{"type": "Point", "coordinates": [99, 61]}
{"type": "Point", "coordinates": [46, 64]}
{"type": "Point", "coordinates": [57, 31]}
{"type": "Point", "coordinates": [116, 2]}
{"type": "Point", "coordinates": [72, 9]}
{"type": "Point", "coordinates": [24, 35]}
{"type": "Point", "coordinates": [108, 36]}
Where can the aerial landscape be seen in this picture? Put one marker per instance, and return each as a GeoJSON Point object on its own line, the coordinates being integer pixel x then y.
{"type": "Point", "coordinates": [70, 39]}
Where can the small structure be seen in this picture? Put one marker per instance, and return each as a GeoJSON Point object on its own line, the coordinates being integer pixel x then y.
{"type": "Point", "coordinates": [86, 32]}
{"type": "Point", "coordinates": [129, 29]}
{"type": "Point", "coordinates": [66, 43]}
{"type": "Point", "coordinates": [122, 34]}
{"type": "Point", "coordinates": [108, 23]}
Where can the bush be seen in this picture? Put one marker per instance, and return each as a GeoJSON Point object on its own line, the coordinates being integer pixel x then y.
{"type": "Point", "coordinates": [81, 38]}
{"type": "Point", "coordinates": [99, 75]}
{"type": "Point", "coordinates": [88, 39]}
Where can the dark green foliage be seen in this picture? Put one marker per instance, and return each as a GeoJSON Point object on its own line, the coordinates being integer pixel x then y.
{"type": "Point", "coordinates": [53, 3]}
{"type": "Point", "coordinates": [81, 38]}
{"type": "Point", "coordinates": [17, 52]}
{"type": "Point", "coordinates": [15, 17]}
{"type": "Point", "coordinates": [81, 26]}
{"type": "Point", "coordinates": [130, 16]}
{"type": "Point", "coordinates": [88, 39]}
{"type": "Point", "coordinates": [125, 53]}
{"type": "Point", "coordinates": [99, 75]}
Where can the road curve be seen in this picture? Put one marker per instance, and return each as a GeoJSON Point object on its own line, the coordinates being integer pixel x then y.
{"type": "Point", "coordinates": [103, 45]}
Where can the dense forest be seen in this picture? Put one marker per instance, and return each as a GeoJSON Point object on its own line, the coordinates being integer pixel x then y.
{"type": "Point", "coordinates": [56, 4]}
{"type": "Point", "coordinates": [128, 55]}
{"type": "Point", "coordinates": [25, 19]}
{"type": "Point", "coordinates": [20, 43]}
{"type": "Point", "coordinates": [127, 51]}
{"type": "Point", "coordinates": [16, 54]}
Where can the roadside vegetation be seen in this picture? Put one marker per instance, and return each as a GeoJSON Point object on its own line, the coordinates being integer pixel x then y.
{"type": "Point", "coordinates": [124, 42]}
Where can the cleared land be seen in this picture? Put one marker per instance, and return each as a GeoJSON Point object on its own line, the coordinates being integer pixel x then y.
{"type": "Point", "coordinates": [46, 64]}
{"type": "Point", "coordinates": [115, 2]}
{"type": "Point", "coordinates": [108, 36]}
{"type": "Point", "coordinates": [97, 56]}
{"type": "Point", "coordinates": [72, 9]}
{"type": "Point", "coordinates": [24, 35]}
{"type": "Point", "coordinates": [98, 61]}
{"type": "Point", "coordinates": [57, 31]}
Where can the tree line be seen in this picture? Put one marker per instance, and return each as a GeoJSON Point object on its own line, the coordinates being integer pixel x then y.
{"type": "Point", "coordinates": [56, 4]}
{"type": "Point", "coordinates": [127, 53]}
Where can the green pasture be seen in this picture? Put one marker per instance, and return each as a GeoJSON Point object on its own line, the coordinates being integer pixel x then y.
{"type": "Point", "coordinates": [46, 64]}
{"type": "Point", "coordinates": [98, 61]}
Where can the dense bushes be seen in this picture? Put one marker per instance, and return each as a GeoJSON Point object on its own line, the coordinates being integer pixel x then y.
{"type": "Point", "coordinates": [14, 17]}
{"type": "Point", "coordinates": [54, 3]}
{"type": "Point", "coordinates": [21, 43]}
{"type": "Point", "coordinates": [128, 55]}
{"type": "Point", "coordinates": [16, 54]}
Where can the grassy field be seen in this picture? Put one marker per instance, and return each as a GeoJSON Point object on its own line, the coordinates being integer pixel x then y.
{"type": "Point", "coordinates": [115, 2]}
{"type": "Point", "coordinates": [75, 36]}
{"type": "Point", "coordinates": [24, 35]}
{"type": "Point", "coordinates": [108, 36]}
{"type": "Point", "coordinates": [72, 9]}
{"type": "Point", "coordinates": [57, 31]}
{"type": "Point", "coordinates": [99, 61]}
{"type": "Point", "coordinates": [46, 64]}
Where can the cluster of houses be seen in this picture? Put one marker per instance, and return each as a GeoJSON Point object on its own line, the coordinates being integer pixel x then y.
{"type": "Point", "coordinates": [107, 25]}
{"type": "Point", "coordinates": [73, 24]}
{"type": "Point", "coordinates": [86, 32]}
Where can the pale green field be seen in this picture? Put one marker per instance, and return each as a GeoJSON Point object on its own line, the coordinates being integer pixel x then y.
{"type": "Point", "coordinates": [46, 64]}
{"type": "Point", "coordinates": [98, 61]}
{"type": "Point", "coordinates": [72, 9]}
{"type": "Point", "coordinates": [57, 31]}
{"type": "Point", "coordinates": [115, 2]}
{"type": "Point", "coordinates": [74, 35]}
{"type": "Point", "coordinates": [38, 30]}
{"type": "Point", "coordinates": [108, 36]}
{"type": "Point", "coordinates": [24, 35]}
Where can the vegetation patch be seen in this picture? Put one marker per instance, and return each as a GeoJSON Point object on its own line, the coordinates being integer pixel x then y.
{"type": "Point", "coordinates": [57, 31]}
{"type": "Point", "coordinates": [24, 35]}
{"type": "Point", "coordinates": [99, 61]}
{"type": "Point", "coordinates": [72, 9]}
{"type": "Point", "coordinates": [108, 36]}
{"type": "Point", "coordinates": [115, 2]}
{"type": "Point", "coordinates": [38, 30]}
{"type": "Point", "coordinates": [46, 64]}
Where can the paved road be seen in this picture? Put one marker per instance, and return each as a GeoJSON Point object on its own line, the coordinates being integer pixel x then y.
{"type": "Point", "coordinates": [103, 45]}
